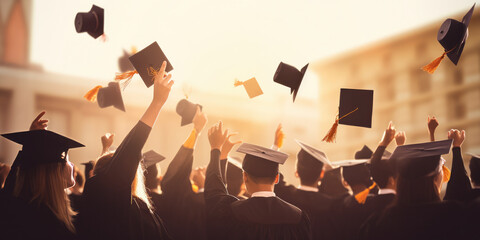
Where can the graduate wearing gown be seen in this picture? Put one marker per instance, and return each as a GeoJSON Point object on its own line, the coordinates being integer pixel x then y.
{"type": "Point", "coordinates": [264, 215]}
{"type": "Point", "coordinates": [183, 209]}
{"type": "Point", "coordinates": [112, 210]}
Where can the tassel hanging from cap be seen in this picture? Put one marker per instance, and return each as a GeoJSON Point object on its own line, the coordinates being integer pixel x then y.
{"type": "Point", "coordinates": [361, 197]}
{"type": "Point", "coordinates": [332, 133]}
{"type": "Point", "coordinates": [237, 83]}
{"type": "Point", "coordinates": [431, 67]}
{"type": "Point", "coordinates": [125, 76]}
{"type": "Point", "coordinates": [92, 94]}
{"type": "Point", "coordinates": [446, 173]}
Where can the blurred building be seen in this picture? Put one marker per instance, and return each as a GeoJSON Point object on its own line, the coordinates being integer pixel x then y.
{"type": "Point", "coordinates": [403, 92]}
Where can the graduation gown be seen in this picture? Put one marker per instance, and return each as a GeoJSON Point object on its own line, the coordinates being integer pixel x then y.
{"type": "Point", "coordinates": [317, 206]}
{"type": "Point", "coordinates": [183, 210]}
{"type": "Point", "coordinates": [459, 187]}
{"type": "Point", "coordinates": [254, 218]}
{"type": "Point", "coordinates": [111, 212]}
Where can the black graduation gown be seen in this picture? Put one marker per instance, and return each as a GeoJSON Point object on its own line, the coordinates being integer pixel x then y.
{"type": "Point", "coordinates": [254, 218]}
{"type": "Point", "coordinates": [183, 210]}
{"type": "Point", "coordinates": [110, 210]}
{"type": "Point", "coordinates": [317, 206]}
{"type": "Point", "coordinates": [76, 202]}
{"type": "Point", "coordinates": [439, 220]}
{"type": "Point", "coordinates": [459, 187]}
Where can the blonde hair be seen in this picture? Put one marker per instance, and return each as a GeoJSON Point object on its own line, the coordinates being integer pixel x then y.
{"type": "Point", "coordinates": [138, 185]}
{"type": "Point", "coordinates": [45, 184]}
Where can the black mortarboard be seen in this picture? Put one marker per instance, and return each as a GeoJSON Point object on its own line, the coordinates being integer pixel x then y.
{"type": "Point", "coordinates": [351, 99]}
{"type": "Point", "coordinates": [289, 76]}
{"type": "Point", "coordinates": [124, 63]}
{"type": "Point", "coordinates": [90, 22]}
{"type": "Point", "coordinates": [453, 34]}
{"type": "Point", "coordinates": [420, 159]}
{"type": "Point", "coordinates": [111, 96]}
{"type": "Point", "coordinates": [364, 153]}
{"type": "Point", "coordinates": [148, 59]}
{"type": "Point", "coordinates": [260, 161]}
{"type": "Point", "coordinates": [251, 86]}
{"type": "Point", "coordinates": [355, 171]}
{"type": "Point", "coordinates": [42, 146]}
{"type": "Point", "coordinates": [187, 111]}
{"type": "Point", "coordinates": [151, 158]}
{"type": "Point", "coordinates": [311, 153]}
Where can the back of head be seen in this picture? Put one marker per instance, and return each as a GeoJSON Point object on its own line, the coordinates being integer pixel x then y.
{"type": "Point", "coordinates": [384, 170]}
{"type": "Point", "coordinates": [102, 164]}
{"type": "Point", "coordinates": [475, 171]}
{"type": "Point", "coordinates": [308, 168]}
{"type": "Point", "coordinates": [357, 175]}
{"type": "Point", "coordinates": [332, 184]}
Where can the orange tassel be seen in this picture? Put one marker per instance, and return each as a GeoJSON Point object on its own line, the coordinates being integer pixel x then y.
{"type": "Point", "coordinates": [446, 173]}
{"type": "Point", "coordinates": [361, 197]}
{"type": "Point", "coordinates": [332, 133]}
{"type": "Point", "coordinates": [431, 67]}
{"type": "Point", "coordinates": [126, 75]}
{"type": "Point", "coordinates": [237, 83]}
{"type": "Point", "coordinates": [92, 94]}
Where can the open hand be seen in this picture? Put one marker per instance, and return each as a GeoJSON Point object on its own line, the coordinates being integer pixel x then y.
{"type": "Point", "coordinates": [38, 123]}
{"type": "Point", "coordinates": [162, 85]}
{"type": "Point", "coordinates": [388, 135]}
{"type": "Point", "coordinates": [216, 136]}
{"type": "Point", "coordinates": [228, 145]}
{"type": "Point", "coordinates": [457, 136]}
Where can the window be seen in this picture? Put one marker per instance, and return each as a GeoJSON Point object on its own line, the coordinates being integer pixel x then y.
{"type": "Point", "coordinates": [420, 81]}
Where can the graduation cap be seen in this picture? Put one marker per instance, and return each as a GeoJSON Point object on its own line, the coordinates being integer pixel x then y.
{"type": "Point", "coordinates": [251, 86]}
{"type": "Point", "coordinates": [260, 161]}
{"type": "Point", "coordinates": [420, 159]}
{"type": "Point", "coordinates": [147, 63]}
{"type": "Point", "coordinates": [124, 63]}
{"type": "Point", "coordinates": [90, 22]}
{"type": "Point", "coordinates": [452, 35]}
{"type": "Point", "coordinates": [110, 96]}
{"type": "Point", "coordinates": [355, 109]}
{"type": "Point", "coordinates": [151, 158]}
{"type": "Point", "coordinates": [42, 146]}
{"type": "Point", "coordinates": [474, 168]}
{"type": "Point", "coordinates": [355, 171]}
{"type": "Point", "coordinates": [364, 153]}
{"type": "Point", "coordinates": [308, 153]}
{"type": "Point", "coordinates": [289, 76]}
{"type": "Point", "coordinates": [187, 111]}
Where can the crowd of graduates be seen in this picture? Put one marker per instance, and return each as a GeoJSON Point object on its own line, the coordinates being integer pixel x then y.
{"type": "Point", "coordinates": [377, 195]}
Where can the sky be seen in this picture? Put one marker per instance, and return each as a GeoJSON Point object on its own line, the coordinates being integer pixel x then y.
{"type": "Point", "coordinates": [212, 42]}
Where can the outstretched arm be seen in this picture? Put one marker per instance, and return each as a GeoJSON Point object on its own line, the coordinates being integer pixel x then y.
{"type": "Point", "coordinates": [458, 188]}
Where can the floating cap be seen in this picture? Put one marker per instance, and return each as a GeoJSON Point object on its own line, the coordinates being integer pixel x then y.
{"type": "Point", "coordinates": [260, 161]}
{"type": "Point", "coordinates": [355, 109]}
{"type": "Point", "coordinates": [364, 153]}
{"type": "Point", "coordinates": [420, 159]}
{"type": "Point", "coordinates": [187, 111]}
{"type": "Point", "coordinates": [42, 146]}
{"type": "Point", "coordinates": [452, 35]}
{"type": "Point", "coordinates": [110, 96]}
{"type": "Point", "coordinates": [124, 63]}
{"type": "Point", "coordinates": [151, 158]}
{"type": "Point", "coordinates": [251, 86]}
{"type": "Point", "coordinates": [289, 76]}
{"type": "Point", "coordinates": [90, 22]}
{"type": "Point", "coordinates": [148, 61]}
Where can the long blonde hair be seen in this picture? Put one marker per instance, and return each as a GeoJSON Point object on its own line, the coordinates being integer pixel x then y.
{"type": "Point", "coordinates": [138, 184]}
{"type": "Point", "coordinates": [45, 184]}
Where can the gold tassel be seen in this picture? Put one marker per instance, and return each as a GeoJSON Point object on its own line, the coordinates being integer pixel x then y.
{"type": "Point", "coordinates": [92, 94]}
{"type": "Point", "coordinates": [332, 133]}
{"type": "Point", "coordinates": [446, 173]}
{"type": "Point", "coordinates": [361, 197]}
{"type": "Point", "coordinates": [431, 67]}
{"type": "Point", "coordinates": [126, 75]}
{"type": "Point", "coordinates": [237, 83]}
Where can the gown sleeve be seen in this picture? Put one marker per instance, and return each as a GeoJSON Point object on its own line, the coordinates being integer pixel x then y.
{"type": "Point", "coordinates": [176, 180]}
{"type": "Point", "coordinates": [458, 188]}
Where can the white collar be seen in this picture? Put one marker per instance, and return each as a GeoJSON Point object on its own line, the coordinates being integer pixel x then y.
{"type": "Point", "coordinates": [200, 190]}
{"type": "Point", "coordinates": [383, 191]}
{"type": "Point", "coordinates": [263, 194]}
{"type": "Point", "coordinates": [307, 188]}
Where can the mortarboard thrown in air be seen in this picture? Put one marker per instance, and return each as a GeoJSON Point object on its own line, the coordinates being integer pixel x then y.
{"type": "Point", "coordinates": [251, 86]}
{"type": "Point", "coordinates": [421, 159]}
{"type": "Point", "coordinates": [355, 109]}
{"type": "Point", "coordinates": [289, 76]}
{"type": "Point", "coordinates": [42, 146]}
{"type": "Point", "coordinates": [110, 96]}
{"type": "Point", "coordinates": [90, 22]}
{"type": "Point", "coordinates": [452, 35]}
{"type": "Point", "coordinates": [260, 161]}
{"type": "Point", "coordinates": [124, 63]}
{"type": "Point", "coordinates": [187, 111]}
{"type": "Point", "coordinates": [311, 158]}
{"type": "Point", "coordinates": [151, 158]}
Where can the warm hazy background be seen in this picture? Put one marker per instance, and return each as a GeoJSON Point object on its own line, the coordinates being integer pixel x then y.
{"type": "Point", "coordinates": [45, 64]}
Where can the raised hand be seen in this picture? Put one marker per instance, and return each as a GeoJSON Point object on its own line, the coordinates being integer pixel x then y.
{"type": "Point", "coordinates": [198, 177]}
{"type": "Point", "coordinates": [400, 138]}
{"type": "Point", "coordinates": [388, 135]}
{"type": "Point", "coordinates": [228, 145]}
{"type": "Point", "coordinates": [107, 141]}
{"type": "Point", "coordinates": [457, 136]}
{"type": "Point", "coordinates": [38, 123]}
{"type": "Point", "coordinates": [216, 136]}
{"type": "Point", "coordinates": [432, 124]}
{"type": "Point", "coordinates": [279, 136]}
{"type": "Point", "coordinates": [162, 85]}
{"type": "Point", "coordinates": [199, 120]}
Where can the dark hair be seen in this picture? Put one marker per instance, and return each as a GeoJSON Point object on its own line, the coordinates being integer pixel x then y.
{"type": "Point", "coordinates": [383, 171]}
{"type": "Point", "coordinates": [308, 168]}
{"type": "Point", "coordinates": [262, 180]}
{"type": "Point", "coordinates": [357, 175]}
{"type": "Point", "coordinates": [475, 170]}
{"type": "Point", "coordinates": [416, 190]}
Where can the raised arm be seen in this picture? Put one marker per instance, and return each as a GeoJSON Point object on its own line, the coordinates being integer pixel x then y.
{"type": "Point", "coordinates": [123, 166]}
{"type": "Point", "coordinates": [176, 179]}
{"type": "Point", "coordinates": [458, 188]}
{"type": "Point", "coordinates": [387, 138]}
{"type": "Point", "coordinates": [432, 124]}
{"type": "Point", "coordinates": [226, 148]}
